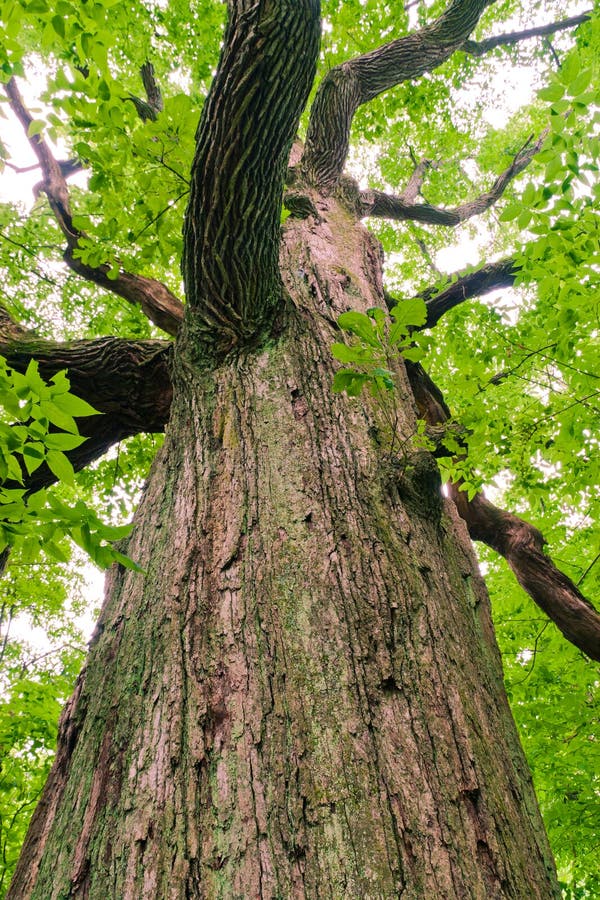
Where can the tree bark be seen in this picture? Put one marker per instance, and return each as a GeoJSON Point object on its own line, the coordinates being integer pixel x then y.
{"type": "Point", "coordinates": [303, 696]}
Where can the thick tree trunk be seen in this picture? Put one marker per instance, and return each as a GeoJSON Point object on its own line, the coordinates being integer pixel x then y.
{"type": "Point", "coordinates": [303, 696]}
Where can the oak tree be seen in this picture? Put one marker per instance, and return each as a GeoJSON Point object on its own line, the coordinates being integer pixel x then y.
{"type": "Point", "coordinates": [294, 687]}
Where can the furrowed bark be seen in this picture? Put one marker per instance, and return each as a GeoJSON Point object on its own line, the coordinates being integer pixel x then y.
{"type": "Point", "coordinates": [479, 48]}
{"type": "Point", "coordinates": [301, 698]}
{"type": "Point", "coordinates": [154, 298]}
{"type": "Point", "coordinates": [388, 206]}
{"type": "Point", "coordinates": [516, 540]}
{"type": "Point", "coordinates": [349, 85]}
{"type": "Point", "coordinates": [246, 130]}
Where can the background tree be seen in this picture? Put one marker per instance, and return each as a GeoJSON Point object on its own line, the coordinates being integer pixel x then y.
{"type": "Point", "coordinates": [300, 693]}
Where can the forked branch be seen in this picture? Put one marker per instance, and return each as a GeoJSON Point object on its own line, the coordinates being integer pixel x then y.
{"type": "Point", "coordinates": [397, 207]}
{"type": "Point", "coordinates": [519, 542]}
{"type": "Point", "coordinates": [153, 297]}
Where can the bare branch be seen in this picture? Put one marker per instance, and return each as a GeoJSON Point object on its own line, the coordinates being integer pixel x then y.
{"type": "Point", "coordinates": [154, 298]}
{"type": "Point", "coordinates": [349, 85]}
{"type": "Point", "coordinates": [479, 48]}
{"type": "Point", "coordinates": [519, 542]}
{"type": "Point", "coordinates": [464, 287]}
{"type": "Point", "coordinates": [390, 206]}
{"type": "Point", "coordinates": [522, 546]}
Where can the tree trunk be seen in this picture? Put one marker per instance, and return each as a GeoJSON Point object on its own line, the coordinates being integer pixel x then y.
{"type": "Point", "coordinates": [303, 696]}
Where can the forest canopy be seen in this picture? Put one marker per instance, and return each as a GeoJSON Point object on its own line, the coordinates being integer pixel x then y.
{"type": "Point", "coordinates": [478, 175]}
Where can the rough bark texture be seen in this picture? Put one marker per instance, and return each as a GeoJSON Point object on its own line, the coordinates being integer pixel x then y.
{"type": "Point", "coordinates": [303, 697]}
{"type": "Point", "coordinates": [244, 139]}
{"type": "Point", "coordinates": [359, 80]}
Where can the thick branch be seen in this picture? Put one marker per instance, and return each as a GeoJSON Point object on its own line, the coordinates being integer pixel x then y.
{"type": "Point", "coordinates": [389, 206]}
{"type": "Point", "coordinates": [488, 278]}
{"type": "Point", "coordinates": [522, 546]}
{"type": "Point", "coordinates": [245, 134]}
{"type": "Point", "coordinates": [156, 301]}
{"type": "Point", "coordinates": [127, 381]}
{"type": "Point", "coordinates": [479, 48]}
{"type": "Point", "coordinates": [349, 85]}
{"type": "Point", "coordinates": [519, 542]}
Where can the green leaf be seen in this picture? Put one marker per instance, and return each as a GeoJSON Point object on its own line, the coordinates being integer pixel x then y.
{"type": "Point", "coordinates": [36, 126]}
{"type": "Point", "coordinates": [361, 325]}
{"type": "Point", "coordinates": [359, 354]}
{"type": "Point", "coordinates": [75, 406]}
{"type": "Point", "coordinates": [63, 441]}
{"type": "Point", "coordinates": [552, 92]}
{"type": "Point", "coordinates": [349, 381]}
{"type": "Point", "coordinates": [510, 212]}
{"type": "Point", "coordinates": [60, 466]}
{"type": "Point", "coordinates": [581, 83]}
{"type": "Point", "coordinates": [127, 562]}
{"type": "Point", "coordinates": [58, 416]}
{"type": "Point", "coordinates": [406, 314]}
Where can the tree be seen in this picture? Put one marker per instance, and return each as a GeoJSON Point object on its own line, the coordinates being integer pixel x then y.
{"type": "Point", "coordinates": [294, 689]}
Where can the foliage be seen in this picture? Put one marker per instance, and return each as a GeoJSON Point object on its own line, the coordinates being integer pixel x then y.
{"type": "Point", "coordinates": [31, 523]}
{"type": "Point", "coordinates": [518, 370]}
{"type": "Point", "coordinates": [378, 343]}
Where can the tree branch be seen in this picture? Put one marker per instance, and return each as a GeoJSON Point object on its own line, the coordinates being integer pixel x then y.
{"type": "Point", "coordinates": [349, 85]}
{"type": "Point", "coordinates": [153, 105]}
{"type": "Point", "coordinates": [415, 182]}
{"type": "Point", "coordinates": [390, 206]}
{"type": "Point", "coordinates": [479, 48]}
{"type": "Point", "coordinates": [154, 298]}
{"type": "Point", "coordinates": [128, 382]}
{"type": "Point", "coordinates": [519, 542]}
{"type": "Point", "coordinates": [488, 278]}
{"type": "Point", "coordinates": [248, 122]}
{"type": "Point", "coordinates": [522, 546]}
